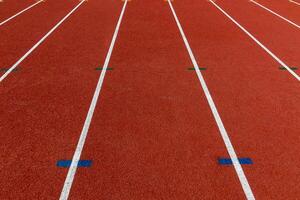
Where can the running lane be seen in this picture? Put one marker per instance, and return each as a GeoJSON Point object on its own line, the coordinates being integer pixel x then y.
{"type": "Point", "coordinates": [153, 135]}
{"type": "Point", "coordinates": [9, 8]}
{"type": "Point", "coordinates": [44, 104]}
{"type": "Point", "coordinates": [258, 103]}
{"type": "Point", "coordinates": [279, 36]}
{"type": "Point", "coordinates": [19, 35]}
{"type": "Point", "coordinates": [283, 7]}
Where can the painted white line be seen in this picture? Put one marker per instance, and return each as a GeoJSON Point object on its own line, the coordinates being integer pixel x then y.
{"type": "Point", "coordinates": [38, 43]}
{"type": "Point", "coordinates": [257, 42]}
{"type": "Point", "coordinates": [295, 2]}
{"type": "Point", "coordinates": [76, 157]}
{"type": "Point", "coordinates": [238, 168]}
{"type": "Point", "coordinates": [274, 13]}
{"type": "Point", "coordinates": [31, 6]}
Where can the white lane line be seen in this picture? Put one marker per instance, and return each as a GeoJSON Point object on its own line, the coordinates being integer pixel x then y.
{"type": "Point", "coordinates": [38, 43]}
{"type": "Point", "coordinates": [76, 157]}
{"type": "Point", "coordinates": [274, 13]}
{"type": "Point", "coordinates": [238, 168]}
{"type": "Point", "coordinates": [31, 6]}
{"type": "Point", "coordinates": [295, 2]}
{"type": "Point", "coordinates": [258, 42]}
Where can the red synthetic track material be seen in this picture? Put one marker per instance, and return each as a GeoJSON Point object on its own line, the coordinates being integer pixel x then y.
{"type": "Point", "coordinates": [19, 35]}
{"type": "Point", "coordinates": [9, 8]}
{"type": "Point", "coordinates": [284, 8]}
{"type": "Point", "coordinates": [258, 103]}
{"type": "Point", "coordinates": [276, 34]}
{"type": "Point", "coordinates": [45, 104]}
{"type": "Point", "coordinates": [153, 135]}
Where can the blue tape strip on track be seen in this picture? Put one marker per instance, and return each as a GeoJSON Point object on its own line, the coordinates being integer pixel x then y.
{"type": "Point", "coordinates": [228, 161]}
{"type": "Point", "coordinates": [67, 163]}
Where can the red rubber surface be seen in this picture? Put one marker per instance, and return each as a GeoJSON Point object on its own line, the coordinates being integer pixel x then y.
{"type": "Point", "coordinates": [153, 135]}
{"type": "Point", "coordinates": [17, 39]}
{"type": "Point", "coordinates": [257, 102]}
{"type": "Point", "coordinates": [9, 8]}
{"type": "Point", "coordinates": [284, 8]}
{"type": "Point", "coordinates": [277, 35]}
{"type": "Point", "coordinates": [45, 103]}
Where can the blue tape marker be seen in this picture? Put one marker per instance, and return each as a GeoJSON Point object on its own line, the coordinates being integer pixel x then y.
{"type": "Point", "coordinates": [228, 161]}
{"type": "Point", "coordinates": [67, 163]}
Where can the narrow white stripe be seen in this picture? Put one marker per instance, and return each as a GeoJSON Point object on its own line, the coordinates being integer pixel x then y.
{"type": "Point", "coordinates": [238, 168]}
{"type": "Point", "coordinates": [274, 13]}
{"type": "Point", "coordinates": [258, 42]}
{"type": "Point", "coordinates": [20, 12]}
{"type": "Point", "coordinates": [76, 157]}
{"type": "Point", "coordinates": [297, 3]}
{"type": "Point", "coordinates": [37, 44]}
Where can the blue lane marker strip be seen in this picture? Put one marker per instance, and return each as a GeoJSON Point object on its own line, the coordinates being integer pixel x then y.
{"type": "Point", "coordinates": [228, 161]}
{"type": "Point", "coordinates": [67, 163]}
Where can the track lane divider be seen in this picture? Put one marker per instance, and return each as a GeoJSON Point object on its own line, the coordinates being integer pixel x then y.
{"type": "Point", "coordinates": [76, 157]}
{"type": "Point", "coordinates": [295, 2]}
{"type": "Point", "coordinates": [39, 42]}
{"type": "Point", "coordinates": [230, 149]}
{"type": "Point", "coordinates": [276, 14]}
{"type": "Point", "coordinates": [22, 11]}
{"type": "Point", "coordinates": [257, 42]}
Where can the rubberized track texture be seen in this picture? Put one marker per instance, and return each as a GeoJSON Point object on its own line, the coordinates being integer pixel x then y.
{"type": "Point", "coordinates": [146, 100]}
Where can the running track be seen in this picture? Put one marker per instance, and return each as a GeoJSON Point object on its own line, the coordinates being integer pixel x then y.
{"type": "Point", "coordinates": [152, 134]}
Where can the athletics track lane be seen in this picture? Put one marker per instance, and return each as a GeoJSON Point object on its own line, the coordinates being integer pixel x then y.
{"type": "Point", "coordinates": [19, 35]}
{"type": "Point", "coordinates": [9, 8]}
{"type": "Point", "coordinates": [153, 135]}
{"type": "Point", "coordinates": [257, 102]}
{"type": "Point", "coordinates": [45, 103]}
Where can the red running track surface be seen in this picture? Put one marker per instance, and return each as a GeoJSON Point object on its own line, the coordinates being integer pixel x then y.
{"type": "Point", "coordinates": [153, 135]}
{"type": "Point", "coordinates": [20, 34]}
{"type": "Point", "coordinates": [276, 34]}
{"type": "Point", "coordinates": [45, 103]}
{"type": "Point", "coordinates": [257, 102]}
{"type": "Point", "coordinates": [284, 8]}
{"type": "Point", "coordinates": [9, 8]}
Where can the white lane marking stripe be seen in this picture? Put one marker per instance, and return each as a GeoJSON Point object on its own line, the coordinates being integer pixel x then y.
{"type": "Point", "coordinates": [258, 42]}
{"type": "Point", "coordinates": [76, 157]}
{"type": "Point", "coordinates": [238, 168]}
{"type": "Point", "coordinates": [20, 12]}
{"type": "Point", "coordinates": [297, 3]}
{"type": "Point", "coordinates": [37, 44]}
{"type": "Point", "coordinates": [274, 13]}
